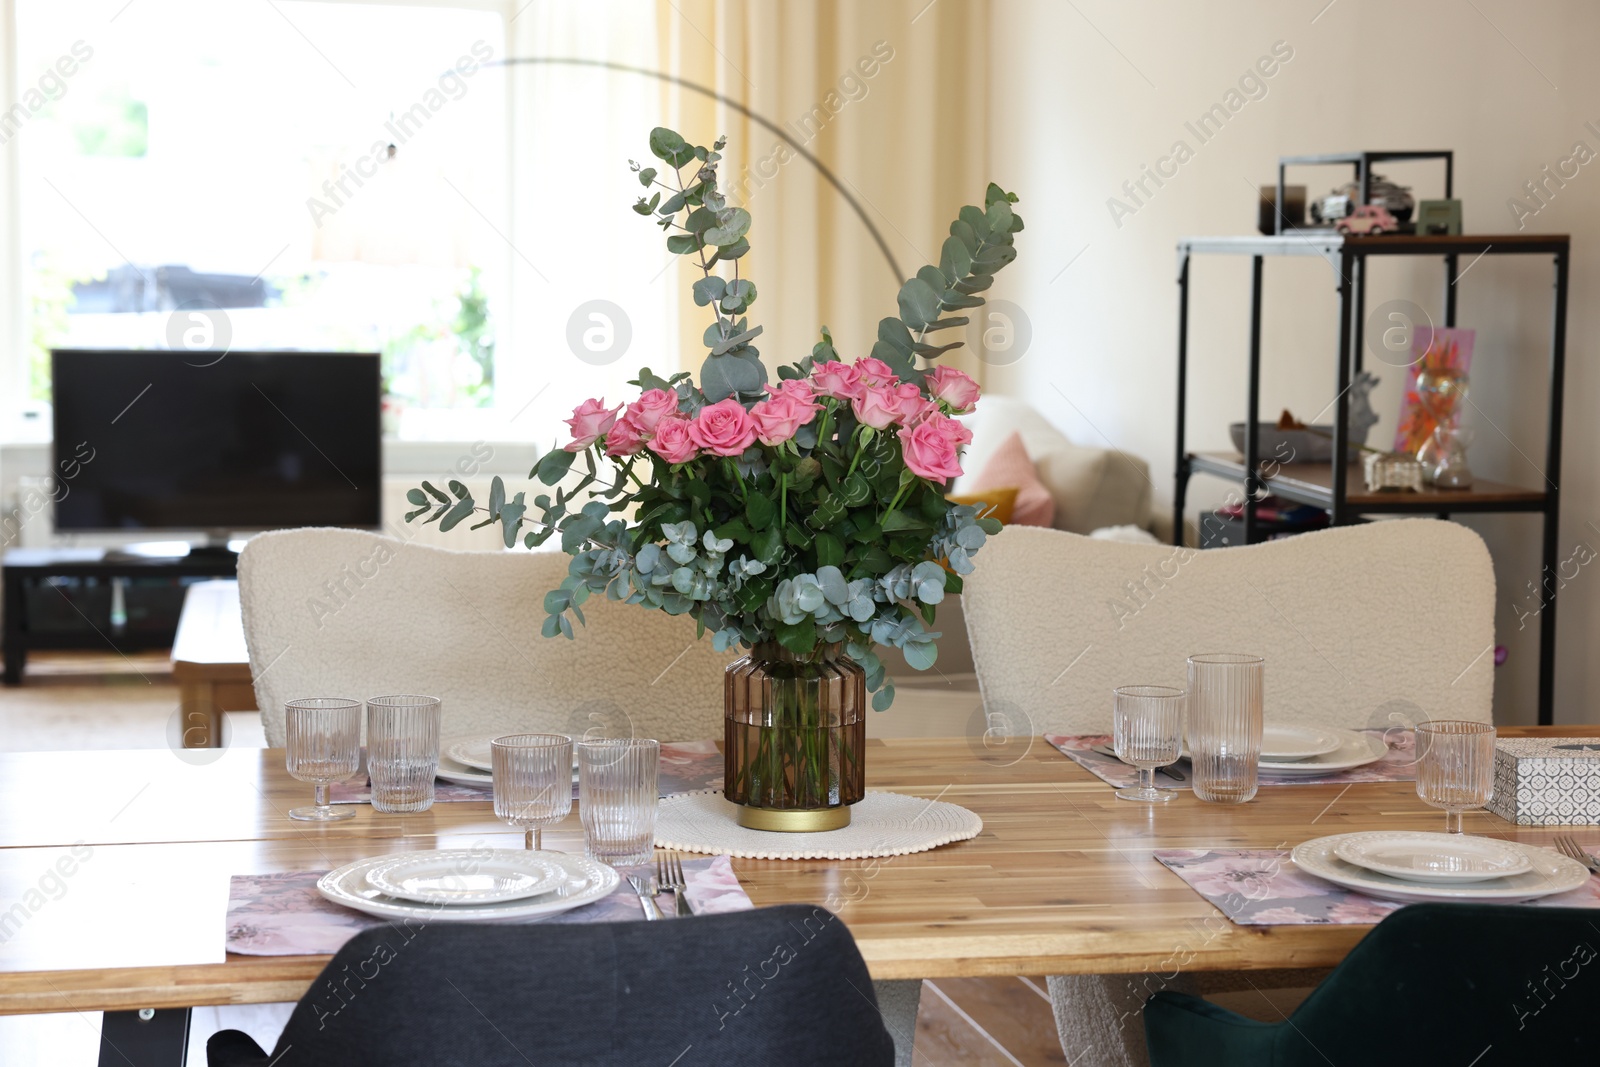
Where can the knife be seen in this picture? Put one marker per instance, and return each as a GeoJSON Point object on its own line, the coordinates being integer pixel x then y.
{"type": "Point", "coordinates": [652, 911]}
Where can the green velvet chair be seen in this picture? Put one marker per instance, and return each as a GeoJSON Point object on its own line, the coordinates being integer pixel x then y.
{"type": "Point", "coordinates": [1459, 984]}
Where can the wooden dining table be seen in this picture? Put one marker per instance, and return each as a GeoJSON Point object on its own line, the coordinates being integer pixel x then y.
{"type": "Point", "coordinates": [115, 867]}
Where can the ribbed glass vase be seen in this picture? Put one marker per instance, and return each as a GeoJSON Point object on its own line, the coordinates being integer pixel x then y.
{"type": "Point", "coordinates": [795, 732]}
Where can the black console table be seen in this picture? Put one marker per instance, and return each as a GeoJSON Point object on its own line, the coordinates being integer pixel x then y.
{"type": "Point", "coordinates": [26, 569]}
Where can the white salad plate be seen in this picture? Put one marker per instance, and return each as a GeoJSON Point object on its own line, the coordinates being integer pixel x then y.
{"type": "Point", "coordinates": [584, 882]}
{"type": "Point", "coordinates": [1550, 873]}
{"type": "Point", "coordinates": [464, 876]}
{"type": "Point", "coordinates": [1283, 742]}
{"type": "Point", "coordinates": [1440, 859]}
{"type": "Point", "coordinates": [1355, 750]}
{"type": "Point", "coordinates": [472, 752]}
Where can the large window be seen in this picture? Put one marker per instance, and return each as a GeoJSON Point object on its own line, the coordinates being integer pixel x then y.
{"type": "Point", "coordinates": [274, 175]}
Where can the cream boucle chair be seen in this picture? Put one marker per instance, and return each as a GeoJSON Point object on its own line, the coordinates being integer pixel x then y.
{"type": "Point", "coordinates": [1354, 622]}
{"type": "Point", "coordinates": [1372, 625]}
{"type": "Point", "coordinates": [346, 613]}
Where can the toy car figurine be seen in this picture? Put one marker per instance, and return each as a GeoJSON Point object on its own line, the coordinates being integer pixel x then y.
{"type": "Point", "coordinates": [1367, 219]}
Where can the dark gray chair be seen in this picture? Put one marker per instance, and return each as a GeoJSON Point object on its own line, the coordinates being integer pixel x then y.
{"type": "Point", "coordinates": [774, 986]}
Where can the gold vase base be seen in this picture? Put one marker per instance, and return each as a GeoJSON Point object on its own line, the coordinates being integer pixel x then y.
{"type": "Point", "coordinates": [798, 821]}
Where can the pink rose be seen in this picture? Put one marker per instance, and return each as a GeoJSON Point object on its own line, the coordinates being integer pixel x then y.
{"type": "Point", "coordinates": [625, 438]}
{"type": "Point", "coordinates": [723, 428]}
{"type": "Point", "coordinates": [798, 388]}
{"type": "Point", "coordinates": [778, 418]}
{"type": "Point", "coordinates": [930, 449]}
{"type": "Point", "coordinates": [877, 406]}
{"type": "Point", "coordinates": [672, 441]}
{"type": "Point", "coordinates": [590, 420]}
{"type": "Point", "coordinates": [954, 389]}
{"type": "Point", "coordinates": [875, 372]}
{"type": "Point", "coordinates": [651, 408]}
{"type": "Point", "coordinates": [835, 379]}
{"type": "Point", "coordinates": [910, 402]}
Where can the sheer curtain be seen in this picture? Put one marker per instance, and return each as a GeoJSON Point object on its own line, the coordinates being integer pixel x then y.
{"type": "Point", "coordinates": [891, 96]}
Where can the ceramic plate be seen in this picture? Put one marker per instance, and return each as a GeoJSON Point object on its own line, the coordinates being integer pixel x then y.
{"type": "Point", "coordinates": [1551, 873]}
{"type": "Point", "coordinates": [457, 876]}
{"type": "Point", "coordinates": [472, 752]}
{"type": "Point", "coordinates": [1355, 750]}
{"type": "Point", "coordinates": [459, 773]}
{"type": "Point", "coordinates": [1283, 742]}
{"type": "Point", "coordinates": [1441, 859]}
{"type": "Point", "coordinates": [585, 882]}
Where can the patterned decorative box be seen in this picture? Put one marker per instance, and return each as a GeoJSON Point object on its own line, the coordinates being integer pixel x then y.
{"type": "Point", "coordinates": [1547, 781]}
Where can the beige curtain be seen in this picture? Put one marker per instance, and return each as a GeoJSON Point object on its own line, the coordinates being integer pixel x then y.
{"type": "Point", "coordinates": [890, 95]}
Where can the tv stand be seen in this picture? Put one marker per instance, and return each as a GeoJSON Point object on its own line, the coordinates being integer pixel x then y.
{"type": "Point", "coordinates": [26, 573]}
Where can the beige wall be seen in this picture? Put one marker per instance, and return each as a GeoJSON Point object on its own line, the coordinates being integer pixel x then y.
{"type": "Point", "coordinates": [1082, 96]}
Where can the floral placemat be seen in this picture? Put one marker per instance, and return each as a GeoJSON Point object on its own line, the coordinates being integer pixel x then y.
{"type": "Point", "coordinates": [686, 767]}
{"type": "Point", "coordinates": [1399, 765]}
{"type": "Point", "coordinates": [284, 915]}
{"type": "Point", "coordinates": [1263, 887]}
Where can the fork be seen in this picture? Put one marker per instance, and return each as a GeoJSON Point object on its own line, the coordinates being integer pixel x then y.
{"type": "Point", "coordinates": [669, 872]}
{"type": "Point", "coordinates": [1568, 846]}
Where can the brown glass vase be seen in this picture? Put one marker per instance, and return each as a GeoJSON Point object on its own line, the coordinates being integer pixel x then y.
{"type": "Point", "coordinates": [795, 731]}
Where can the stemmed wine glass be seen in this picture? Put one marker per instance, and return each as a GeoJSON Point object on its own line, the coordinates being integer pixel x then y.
{"type": "Point", "coordinates": [1455, 767]}
{"type": "Point", "coordinates": [323, 742]}
{"type": "Point", "coordinates": [532, 781]}
{"type": "Point", "coordinates": [1147, 724]}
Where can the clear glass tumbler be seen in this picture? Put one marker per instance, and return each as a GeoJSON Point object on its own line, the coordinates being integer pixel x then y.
{"type": "Point", "coordinates": [1224, 725]}
{"type": "Point", "coordinates": [402, 751]}
{"type": "Point", "coordinates": [1455, 767]}
{"type": "Point", "coordinates": [1147, 730]}
{"type": "Point", "coordinates": [322, 742]}
{"type": "Point", "coordinates": [617, 798]}
{"type": "Point", "coordinates": [532, 781]}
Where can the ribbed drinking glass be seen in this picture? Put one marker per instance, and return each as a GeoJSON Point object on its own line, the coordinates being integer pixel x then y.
{"type": "Point", "coordinates": [402, 751]}
{"type": "Point", "coordinates": [322, 739]}
{"type": "Point", "coordinates": [1224, 725]}
{"type": "Point", "coordinates": [617, 798]}
{"type": "Point", "coordinates": [1147, 732]}
{"type": "Point", "coordinates": [1455, 767]}
{"type": "Point", "coordinates": [532, 781]}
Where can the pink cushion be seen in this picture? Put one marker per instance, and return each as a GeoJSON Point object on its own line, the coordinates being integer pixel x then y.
{"type": "Point", "coordinates": [1010, 467]}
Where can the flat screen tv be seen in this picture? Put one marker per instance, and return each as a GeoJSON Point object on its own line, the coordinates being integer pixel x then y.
{"type": "Point", "coordinates": [149, 440]}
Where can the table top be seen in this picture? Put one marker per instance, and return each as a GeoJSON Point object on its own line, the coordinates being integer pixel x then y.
{"type": "Point", "coordinates": [210, 629]}
{"type": "Point", "coordinates": [1061, 880]}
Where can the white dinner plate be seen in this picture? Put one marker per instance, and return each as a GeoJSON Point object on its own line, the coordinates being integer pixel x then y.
{"type": "Point", "coordinates": [459, 773]}
{"type": "Point", "coordinates": [1551, 873]}
{"type": "Point", "coordinates": [1284, 742]}
{"type": "Point", "coordinates": [457, 876]}
{"type": "Point", "coordinates": [1355, 750]}
{"type": "Point", "coordinates": [586, 881]}
{"type": "Point", "coordinates": [1440, 859]}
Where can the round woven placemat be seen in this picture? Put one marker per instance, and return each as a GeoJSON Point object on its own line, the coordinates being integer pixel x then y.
{"type": "Point", "coordinates": [882, 824]}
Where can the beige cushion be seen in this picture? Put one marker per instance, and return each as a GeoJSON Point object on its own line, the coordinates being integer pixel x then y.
{"type": "Point", "coordinates": [1091, 487]}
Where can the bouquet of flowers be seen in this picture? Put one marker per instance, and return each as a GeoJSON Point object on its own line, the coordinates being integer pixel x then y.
{"type": "Point", "coordinates": [810, 511]}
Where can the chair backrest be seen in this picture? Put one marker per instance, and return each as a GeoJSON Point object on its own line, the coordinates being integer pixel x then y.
{"type": "Point", "coordinates": [775, 986]}
{"type": "Point", "coordinates": [1367, 625]}
{"type": "Point", "coordinates": [347, 613]}
{"type": "Point", "coordinates": [1432, 983]}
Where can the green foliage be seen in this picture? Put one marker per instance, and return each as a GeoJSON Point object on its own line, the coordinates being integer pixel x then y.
{"type": "Point", "coordinates": [825, 537]}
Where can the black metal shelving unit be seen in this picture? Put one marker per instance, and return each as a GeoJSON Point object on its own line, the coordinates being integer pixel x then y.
{"type": "Point", "coordinates": [1329, 486]}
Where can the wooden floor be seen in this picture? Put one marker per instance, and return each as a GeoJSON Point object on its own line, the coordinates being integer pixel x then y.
{"type": "Point", "coordinates": [72, 700]}
{"type": "Point", "coordinates": [986, 1021]}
